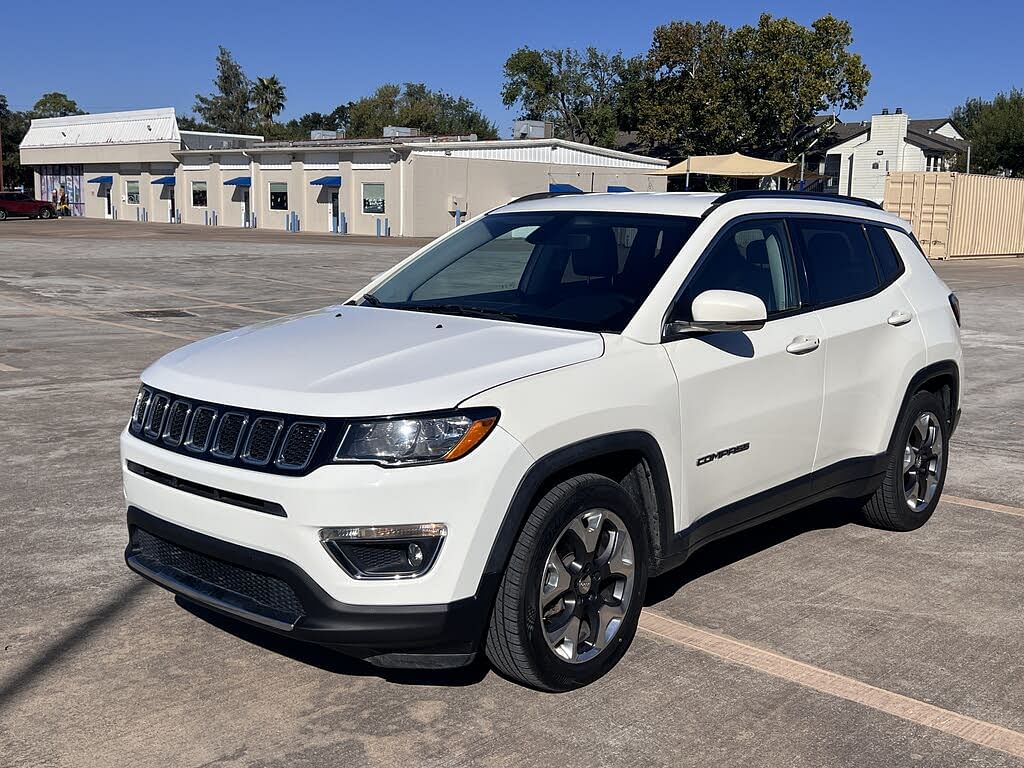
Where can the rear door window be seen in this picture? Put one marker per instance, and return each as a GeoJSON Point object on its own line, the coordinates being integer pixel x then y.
{"type": "Point", "coordinates": [837, 260]}
{"type": "Point", "coordinates": [889, 265]}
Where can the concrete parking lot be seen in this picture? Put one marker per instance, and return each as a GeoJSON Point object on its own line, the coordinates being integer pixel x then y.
{"type": "Point", "coordinates": [810, 641]}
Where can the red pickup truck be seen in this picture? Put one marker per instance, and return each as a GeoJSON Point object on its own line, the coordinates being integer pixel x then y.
{"type": "Point", "coordinates": [21, 204]}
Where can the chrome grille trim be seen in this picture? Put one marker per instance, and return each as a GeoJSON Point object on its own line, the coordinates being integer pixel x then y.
{"type": "Point", "coordinates": [142, 401]}
{"type": "Point", "coordinates": [173, 435]}
{"type": "Point", "coordinates": [292, 435]}
{"type": "Point", "coordinates": [190, 441]}
{"type": "Point", "coordinates": [277, 425]}
{"type": "Point", "coordinates": [157, 412]}
{"type": "Point", "coordinates": [227, 421]}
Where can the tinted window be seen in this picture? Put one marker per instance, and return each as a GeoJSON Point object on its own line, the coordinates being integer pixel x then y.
{"type": "Point", "coordinates": [753, 257]}
{"type": "Point", "coordinates": [885, 253]}
{"type": "Point", "coordinates": [837, 259]}
{"type": "Point", "coordinates": [587, 270]}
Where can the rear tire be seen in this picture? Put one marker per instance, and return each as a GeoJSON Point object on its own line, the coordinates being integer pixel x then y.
{"type": "Point", "coordinates": [3, 214]}
{"type": "Point", "coordinates": [46, 213]}
{"type": "Point", "coordinates": [916, 468]}
{"type": "Point", "coordinates": [570, 599]}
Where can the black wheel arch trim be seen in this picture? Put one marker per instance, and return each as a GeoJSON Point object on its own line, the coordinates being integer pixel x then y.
{"type": "Point", "coordinates": [938, 370]}
{"type": "Point", "coordinates": [568, 456]}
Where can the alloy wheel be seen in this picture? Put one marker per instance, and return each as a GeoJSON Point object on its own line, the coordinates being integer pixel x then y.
{"type": "Point", "coordinates": [922, 461]}
{"type": "Point", "coordinates": [586, 585]}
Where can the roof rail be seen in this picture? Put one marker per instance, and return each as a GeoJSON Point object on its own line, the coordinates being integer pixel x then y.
{"type": "Point", "coordinates": [773, 194]}
{"type": "Point", "coordinates": [542, 196]}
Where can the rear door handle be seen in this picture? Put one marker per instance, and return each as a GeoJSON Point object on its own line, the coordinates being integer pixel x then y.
{"type": "Point", "coordinates": [801, 345]}
{"type": "Point", "coordinates": [899, 317]}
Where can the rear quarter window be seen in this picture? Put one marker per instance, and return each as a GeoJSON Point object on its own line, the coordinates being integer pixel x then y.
{"type": "Point", "coordinates": [889, 264]}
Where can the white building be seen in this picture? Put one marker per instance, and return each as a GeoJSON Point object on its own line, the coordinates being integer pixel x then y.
{"type": "Point", "coordinates": [861, 155]}
{"type": "Point", "coordinates": [140, 166]}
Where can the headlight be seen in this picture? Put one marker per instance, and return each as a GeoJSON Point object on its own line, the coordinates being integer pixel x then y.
{"type": "Point", "coordinates": [416, 439]}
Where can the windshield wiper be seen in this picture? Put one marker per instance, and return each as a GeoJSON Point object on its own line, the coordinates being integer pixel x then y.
{"type": "Point", "coordinates": [370, 299]}
{"type": "Point", "coordinates": [456, 309]}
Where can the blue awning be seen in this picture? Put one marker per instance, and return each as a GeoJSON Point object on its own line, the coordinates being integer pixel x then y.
{"type": "Point", "coordinates": [563, 188]}
{"type": "Point", "coordinates": [102, 180]}
{"type": "Point", "coordinates": [326, 181]}
{"type": "Point", "coordinates": [619, 189]}
{"type": "Point", "coordinates": [167, 181]}
{"type": "Point", "coordinates": [239, 181]}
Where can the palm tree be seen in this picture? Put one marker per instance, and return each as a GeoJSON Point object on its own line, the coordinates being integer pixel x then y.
{"type": "Point", "coordinates": [268, 99]}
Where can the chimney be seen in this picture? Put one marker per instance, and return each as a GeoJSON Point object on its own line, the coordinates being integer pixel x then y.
{"type": "Point", "coordinates": [899, 110]}
{"type": "Point", "coordinates": [885, 110]}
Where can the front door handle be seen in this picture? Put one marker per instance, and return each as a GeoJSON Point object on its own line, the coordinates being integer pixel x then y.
{"type": "Point", "coordinates": [899, 317]}
{"type": "Point", "coordinates": [801, 345]}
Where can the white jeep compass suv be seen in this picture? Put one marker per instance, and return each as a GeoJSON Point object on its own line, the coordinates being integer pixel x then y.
{"type": "Point", "coordinates": [495, 444]}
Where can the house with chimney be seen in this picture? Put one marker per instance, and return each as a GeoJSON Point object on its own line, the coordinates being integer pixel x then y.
{"type": "Point", "coordinates": [855, 158]}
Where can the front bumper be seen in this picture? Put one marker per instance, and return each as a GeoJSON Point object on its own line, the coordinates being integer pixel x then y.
{"type": "Point", "coordinates": [282, 516]}
{"type": "Point", "coordinates": [275, 594]}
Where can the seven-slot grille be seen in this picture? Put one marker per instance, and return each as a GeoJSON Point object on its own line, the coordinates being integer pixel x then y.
{"type": "Point", "coordinates": [268, 442]}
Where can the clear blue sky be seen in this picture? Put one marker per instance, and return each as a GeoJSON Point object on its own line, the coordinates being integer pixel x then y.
{"type": "Point", "coordinates": [925, 55]}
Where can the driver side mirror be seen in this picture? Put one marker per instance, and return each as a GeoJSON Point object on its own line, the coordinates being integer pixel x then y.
{"type": "Point", "coordinates": [720, 311]}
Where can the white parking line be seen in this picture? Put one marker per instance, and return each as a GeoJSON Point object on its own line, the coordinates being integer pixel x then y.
{"type": "Point", "coordinates": [53, 312]}
{"type": "Point", "coordinates": [987, 505]}
{"type": "Point", "coordinates": [919, 712]}
{"type": "Point", "coordinates": [166, 292]}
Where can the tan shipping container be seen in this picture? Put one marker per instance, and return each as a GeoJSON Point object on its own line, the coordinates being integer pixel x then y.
{"type": "Point", "coordinates": [958, 214]}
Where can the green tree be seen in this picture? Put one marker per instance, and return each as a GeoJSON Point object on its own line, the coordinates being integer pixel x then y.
{"type": "Point", "coordinates": [55, 104]}
{"type": "Point", "coordinates": [754, 89]}
{"type": "Point", "coordinates": [13, 127]}
{"type": "Point", "coordinates": [268, 99]}
{"type": "Point", "coordinates": [581, 92]}
{"type": "Point", "coordinates": [995, 130]}
{"type": "Point", "coordinates": [414, 105]}
{"type": "Point", "coordinates": [229, 108]}
{"type": "Point", "coordinates": [191, 123]}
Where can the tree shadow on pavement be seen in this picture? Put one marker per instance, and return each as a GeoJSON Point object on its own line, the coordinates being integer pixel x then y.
{"type": "Point", "coordinates": [834, 513]}
{"type": "Point", "coordinates": [68, 641]}
{"type": "Point", "coordinates": [334, 661]}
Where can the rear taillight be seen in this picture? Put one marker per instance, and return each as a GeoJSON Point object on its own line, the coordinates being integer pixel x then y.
{"type": "Point", "coordinates": [954, 304]}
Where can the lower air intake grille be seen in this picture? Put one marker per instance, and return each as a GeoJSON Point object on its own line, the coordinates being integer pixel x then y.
{"type": "Point", "coordinates": [223, 582]}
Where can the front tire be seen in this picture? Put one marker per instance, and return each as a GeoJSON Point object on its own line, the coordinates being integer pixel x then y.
{"type": "Point", "coordinates": [3, 214]}
{"type": "Point", "coordinates": [46, 213]}
{"type": "Point", "coordinates": [570, 598]}
{"type": "Point", "coordinates": [916, 468]}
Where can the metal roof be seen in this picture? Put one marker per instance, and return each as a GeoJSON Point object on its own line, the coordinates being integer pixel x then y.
{"type": "Point", "coordinates": [141, 126]}
{"type": "Point", "coordinates": [558, 151]}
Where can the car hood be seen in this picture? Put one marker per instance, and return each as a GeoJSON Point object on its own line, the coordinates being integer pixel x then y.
{"type": "Point", "coordinates": [363, 361]}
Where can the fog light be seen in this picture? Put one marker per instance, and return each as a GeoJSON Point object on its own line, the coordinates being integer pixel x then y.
{"type": "Point", "coordinates": [385, 552]}
{"type": "Point", "coordinates": [415, 555]}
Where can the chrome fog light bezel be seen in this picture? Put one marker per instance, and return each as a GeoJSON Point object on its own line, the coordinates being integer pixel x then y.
{"type": "Point", "coordinates": [342, 544]}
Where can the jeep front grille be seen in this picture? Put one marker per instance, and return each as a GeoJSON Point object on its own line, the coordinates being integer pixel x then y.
{"type": "Point", "coordinates": [266, 442]}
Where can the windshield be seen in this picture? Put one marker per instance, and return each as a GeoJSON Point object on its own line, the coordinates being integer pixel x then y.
{"type": "Point", "coordinates": [583, 270]}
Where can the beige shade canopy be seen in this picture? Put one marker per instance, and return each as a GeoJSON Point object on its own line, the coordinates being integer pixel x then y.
{"type": "Point", "coordinates": [735, 165]}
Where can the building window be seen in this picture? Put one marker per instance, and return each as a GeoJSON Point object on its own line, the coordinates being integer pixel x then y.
{"type": "Point", "coordinates": [278, 196]}
{"type": "Point", "coordinates": [131, 192]}
{"type": "Point", "coordinates": [373, 198]}
{"type": "Point", "coordinates": [198, 194]}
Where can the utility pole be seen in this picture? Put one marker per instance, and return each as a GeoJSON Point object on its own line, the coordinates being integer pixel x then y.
{"type": "Point", "coordinates": [968, 162]}
{"type": "Point", "coordinates": [1, 161]}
